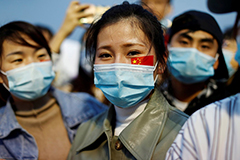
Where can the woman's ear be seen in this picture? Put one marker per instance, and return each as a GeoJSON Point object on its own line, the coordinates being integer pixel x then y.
{"type": "Point", "coordinates": [1, 80]}
{"type": "Point", "coordinates": [161, 67]}
{"type": "Point", "coordinates": [215, 65]}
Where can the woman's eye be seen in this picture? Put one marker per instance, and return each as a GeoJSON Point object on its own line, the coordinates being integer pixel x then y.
{"type": "Point", "coordinates": [133, 53]}
{"type": "Point", "coordinates": [205, 47]}
{"type": "Point", "coordinates": [183, 42]}
{"type": "Point", "coordinates": [17, 60]}
{"type": "Point", "coordinates": [105, 55]}
{"type": "Point", "coordinates": [42, 55]}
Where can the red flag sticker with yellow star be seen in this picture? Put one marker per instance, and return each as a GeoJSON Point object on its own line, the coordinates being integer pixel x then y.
{"type": "Point", "coordinates": [145, 60]}
{"type": "Point", "coordinates": [44, 60]}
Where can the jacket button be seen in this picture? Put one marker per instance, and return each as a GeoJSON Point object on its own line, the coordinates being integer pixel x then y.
{"type": "Point", "coordinates": [118, 145]}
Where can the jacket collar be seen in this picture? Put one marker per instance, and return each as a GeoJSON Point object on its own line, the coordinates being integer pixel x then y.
{"type": "Point", "coordinates": [8, 121]}
{"type": "Point", "coordinates": [147, 128]}
{"type": "Point", "coordinates": [102, 124]}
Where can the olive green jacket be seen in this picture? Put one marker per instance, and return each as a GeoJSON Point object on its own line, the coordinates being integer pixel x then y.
{"type": "Point", "coordinates": [147, 137]}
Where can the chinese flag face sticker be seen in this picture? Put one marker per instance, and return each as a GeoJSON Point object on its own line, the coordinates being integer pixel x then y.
{"type": "Point", "coordinates": [44, 60]}
{"type": "Point", "coordinates": [145, 60]}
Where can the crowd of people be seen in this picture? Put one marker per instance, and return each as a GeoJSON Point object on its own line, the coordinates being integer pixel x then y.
{"type": "Point", "coordinates": [132, 87]}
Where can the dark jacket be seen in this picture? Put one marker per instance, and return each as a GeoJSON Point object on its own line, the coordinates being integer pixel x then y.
{"type": "Point", "coordinates": [214, 91]}
{"type": "Point", "coordinates": [147, 137]}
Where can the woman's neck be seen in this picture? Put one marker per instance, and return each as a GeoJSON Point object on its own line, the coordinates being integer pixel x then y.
{"type": "Point", "coordinates": [124, 116]}
{"type": "Point", "coordinates": [186, 92]}
{"type": "Point", "coordinates": [22, 105]}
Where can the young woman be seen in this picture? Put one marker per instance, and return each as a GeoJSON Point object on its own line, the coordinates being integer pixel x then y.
{"type": "Point", "coordinates": [37, 121]}
{"type": "Point", "coordinates": [140, 124]}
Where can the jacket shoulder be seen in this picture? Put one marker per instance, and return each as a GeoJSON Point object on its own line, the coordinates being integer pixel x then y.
{"type": "Point", "coordinates": [175, 121]}
{"type": "Point", "coordinates": [88, 132]}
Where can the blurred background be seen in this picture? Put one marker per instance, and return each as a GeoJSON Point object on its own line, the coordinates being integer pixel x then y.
{"type": "Point", "coordinates": [51, 12]}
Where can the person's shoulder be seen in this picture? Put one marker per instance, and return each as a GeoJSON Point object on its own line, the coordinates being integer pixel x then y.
{"type": "Point", "coordinates": [78, 104]}
{"type": "Point", "coordinates": [81, 97]}
{"type": "Point", "coordinates": [87, 99]}
{"type": "Point", "coordinates": [231, 101]}
{"type": "Point", "coordinates": [96, 121]}
{"type": "Point", "coordinates": [2, 108]}
{"type": "Point", "coordinates": [5, 109]}
{"type": "Point", "coordinates": [227, 107]}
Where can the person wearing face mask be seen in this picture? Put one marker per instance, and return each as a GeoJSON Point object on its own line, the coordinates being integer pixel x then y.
{"type": "Point", "coordinates": [229, 49]}
{"type": "Point", "coordinates": [160, 8]}
{"type": "Point", "coordinates": [37, 120]}
{"type": "Point", "coordinates": [233, 86]}
{"type": "Point", "coordinates": [127, 48]}
{"type": "Point", "coordinates": [213, 131]}
{"type": "Point", "coordinates": [195, 62]}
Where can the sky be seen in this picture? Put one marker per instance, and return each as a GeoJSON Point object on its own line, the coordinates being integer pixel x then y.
{"type": "Point", "coordinates": [52, 12]}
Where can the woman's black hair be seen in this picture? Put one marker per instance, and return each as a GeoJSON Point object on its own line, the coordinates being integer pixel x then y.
{"type": "Point", "coordinates": [138, 16]}
{"type": "Point", "coordinates": [15, 32]}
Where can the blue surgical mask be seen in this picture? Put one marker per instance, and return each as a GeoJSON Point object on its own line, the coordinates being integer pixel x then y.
{"type": "Point", "coordinates": [31, 81]}
{"type": "Point", "coordinates": [188, 65]}
{"type": "Point", "coordinates": [237, 55]}
{"type": "Point", "coordinates": [228, 55]}
{"type": "Point", "coordinates": [124, 85]}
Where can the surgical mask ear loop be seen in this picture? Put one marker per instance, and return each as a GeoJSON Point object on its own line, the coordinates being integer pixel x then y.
{"type": "Point", "coordinates": [155, 66]}
{"type": "Point", "coordinates": [217, 55]}
{"type": "Point", "coordinates": [155, 80]}
{"type": "Point", "coordinates": [4, 83]}
{"type": "Point", "coordinates": [3, 72]}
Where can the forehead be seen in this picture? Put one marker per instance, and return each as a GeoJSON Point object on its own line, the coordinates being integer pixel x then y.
{"type": "Point", "coordinates": [121, 31]}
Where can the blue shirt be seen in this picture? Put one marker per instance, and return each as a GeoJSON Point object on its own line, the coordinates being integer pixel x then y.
{"type": "Point", "coordinates": [17, 143]}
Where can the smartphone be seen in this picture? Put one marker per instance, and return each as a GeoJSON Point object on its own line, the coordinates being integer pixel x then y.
{"type": "Point", "coordinates": [97, 12]}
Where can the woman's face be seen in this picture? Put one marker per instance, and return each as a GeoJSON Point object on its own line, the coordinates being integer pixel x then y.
{"type": "Point", "coordinates": [15, 56]}
{"type": "Point", "coordinates": [119, 42]}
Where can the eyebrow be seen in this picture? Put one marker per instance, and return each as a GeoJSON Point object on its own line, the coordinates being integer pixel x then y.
{"type": "Point", "coordinates": [133, 44]}
{"type": "Point", "coordinates": [210, 40]}
{"type": "Point", "coordinates": [104, 47]}
{"type": "Point", "coordinates": [14, 53]}
{"type": "Point", "coordinates": [20, 52]}
{"type": "Point", "coordinates": [185, 35]}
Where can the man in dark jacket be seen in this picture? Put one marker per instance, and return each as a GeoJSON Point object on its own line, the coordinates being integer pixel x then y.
{"type": "Point", "coordinates": [196, 62]}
